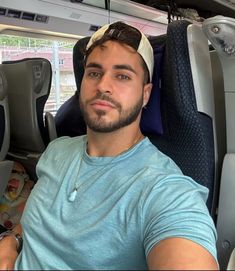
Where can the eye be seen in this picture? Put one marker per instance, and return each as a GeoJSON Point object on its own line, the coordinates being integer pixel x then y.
{"type": "Point", "coordinates": [123, 77]}
{"type": "Point", "coordinates": [94, 74]}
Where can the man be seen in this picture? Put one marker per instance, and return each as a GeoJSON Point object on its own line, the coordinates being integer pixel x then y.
{"type": "Point", "coordinates": [110, 199]}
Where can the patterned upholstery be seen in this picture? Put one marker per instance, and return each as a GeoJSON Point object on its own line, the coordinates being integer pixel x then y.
{"type": "Point", "coordinates": [188, 134]}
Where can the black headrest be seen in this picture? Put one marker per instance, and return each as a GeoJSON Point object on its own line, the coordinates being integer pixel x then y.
{"type": "Point", "coordinates": [78, 56]}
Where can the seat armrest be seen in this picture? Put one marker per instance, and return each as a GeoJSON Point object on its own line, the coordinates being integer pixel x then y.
{"type": "Point", "coordinates": [50, 125]}
{"type": "Point", "coordinates": [5, 173]}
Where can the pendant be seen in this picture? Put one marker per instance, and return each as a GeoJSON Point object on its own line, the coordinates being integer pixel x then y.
{"type": "Point", "coordinates": [73, 195]}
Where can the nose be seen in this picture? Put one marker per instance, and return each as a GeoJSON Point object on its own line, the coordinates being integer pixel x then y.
{"type": "Point", "coordinates": [105, 84]}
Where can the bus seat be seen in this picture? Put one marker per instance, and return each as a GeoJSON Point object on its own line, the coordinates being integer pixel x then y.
{"type": "Point", "coordinates": [186, 126]}
{"type": "Point", "coordinates": [187, 107]}
{"type": "Point", "coordinates": [29, 83]}
{"type": "Point", "coordinates": [5, 165]}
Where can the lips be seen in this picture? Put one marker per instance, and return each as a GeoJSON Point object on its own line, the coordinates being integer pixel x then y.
{"type": "Point", "coordinates": [102, 104]}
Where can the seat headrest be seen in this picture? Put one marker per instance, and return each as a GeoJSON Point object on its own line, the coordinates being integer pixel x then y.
{"type": "Point", "coordinates": [78, 57]}
{"type": "Point", "coordinates": [151, 120]}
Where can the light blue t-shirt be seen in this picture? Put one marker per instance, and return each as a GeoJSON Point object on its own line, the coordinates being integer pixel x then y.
{"type": "Point", "coordinates": [122, 207]}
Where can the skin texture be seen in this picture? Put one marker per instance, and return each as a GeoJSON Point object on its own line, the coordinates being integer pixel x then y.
{"type": "Point", "coordinates": [8, 253]}
{"type": "Point", "coordinates": [180, 254]}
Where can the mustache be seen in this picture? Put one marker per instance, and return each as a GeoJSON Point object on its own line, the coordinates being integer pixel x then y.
{"type": "Point", "coordinates": [105, 97]}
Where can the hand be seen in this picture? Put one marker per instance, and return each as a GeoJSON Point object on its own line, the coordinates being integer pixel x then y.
{"type": "Point", "coordinates": [8, 253]}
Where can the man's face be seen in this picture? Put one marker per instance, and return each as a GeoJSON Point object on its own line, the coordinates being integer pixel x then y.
{"type": "Point", "coordinates": [112, 90]}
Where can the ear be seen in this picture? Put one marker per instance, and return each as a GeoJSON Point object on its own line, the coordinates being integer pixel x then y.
{"type": "Point", "coordinates": [147, 91]}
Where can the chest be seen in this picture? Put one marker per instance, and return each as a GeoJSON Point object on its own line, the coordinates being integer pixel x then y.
{"type": "Point", "coordinates": [101, 226]}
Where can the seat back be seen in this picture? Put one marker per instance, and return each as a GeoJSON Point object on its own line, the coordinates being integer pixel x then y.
{"type": "Point", "coordinates": [5, 166]}
{"type": "Point", "coordinates": [187, 107]}
{"type": "Point", "coordinates": [29, 83]}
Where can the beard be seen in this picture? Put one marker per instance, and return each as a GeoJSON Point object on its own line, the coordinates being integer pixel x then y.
{"type": "Point", "coordinates": [98, 123]}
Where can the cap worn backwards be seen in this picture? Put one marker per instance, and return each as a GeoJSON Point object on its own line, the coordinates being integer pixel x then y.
{"type": "Point", "coordinates": [143, 46]}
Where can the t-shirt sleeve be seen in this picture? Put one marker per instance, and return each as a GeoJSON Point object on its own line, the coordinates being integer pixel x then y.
{"type": "Point", "coordinates": [51, 157]}
{"type": "Point", "coordinates": [175, 207]}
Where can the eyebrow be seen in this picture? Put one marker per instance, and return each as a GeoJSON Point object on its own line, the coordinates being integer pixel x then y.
{"type": "Point", "coordinates": [124, 67]}
{"type": "Point", "coordinates": [116, 67]}
{"type": "Point", "coordinates": [93, 65]}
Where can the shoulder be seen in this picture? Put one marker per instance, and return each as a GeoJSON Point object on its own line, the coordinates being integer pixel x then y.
{"type": "Point", "coordinates": [60, 153]}
{"type": "Point", "coordinates": [64, 146]}
{"type": "Point", "coordinates": [163, 179]}
{"type": "Point", "coordinates": [157, 160]}
{"type": "Point", "coordinates": [66, 142]}
{"type": "Point", "coordinates": [160, 177]}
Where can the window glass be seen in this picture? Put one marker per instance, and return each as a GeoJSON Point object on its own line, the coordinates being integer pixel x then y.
{"type": "Point", "coordinates": [59, 53]}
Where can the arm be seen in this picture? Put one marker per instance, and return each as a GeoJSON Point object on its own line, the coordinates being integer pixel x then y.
{"type": "Point", "coordinates": [8, 251]}
{"type": "Point", "coordinates": [180, 254]}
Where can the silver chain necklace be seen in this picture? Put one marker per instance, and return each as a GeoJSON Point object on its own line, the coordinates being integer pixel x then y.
{"type": "Point", "coordinates": [73, 194]}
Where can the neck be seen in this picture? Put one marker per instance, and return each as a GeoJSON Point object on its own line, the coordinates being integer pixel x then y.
{"type": "Point", "coordinates": [114, 143]}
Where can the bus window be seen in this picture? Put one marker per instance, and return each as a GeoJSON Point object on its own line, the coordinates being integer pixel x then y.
{"type": "Point", "coordinates": [58, 52]}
